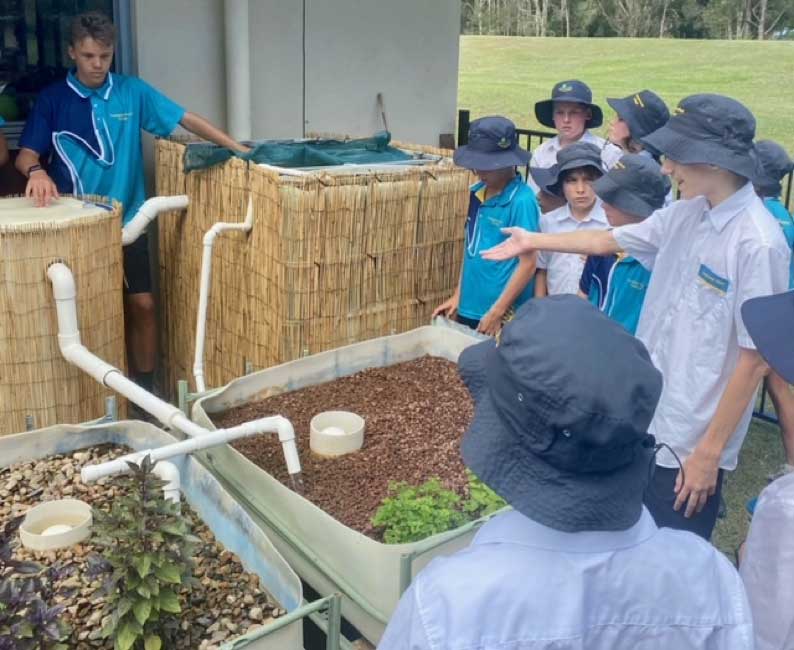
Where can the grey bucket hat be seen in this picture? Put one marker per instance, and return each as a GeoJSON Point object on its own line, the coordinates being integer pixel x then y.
{"type": "Point", "coordinates": [574, 91]}
{"type": "Point", "coordinates": [574, 156]}
{"type": "Point", "coordinates": [562, 407]}
{"type": "Point", "coordinates": [493, 144]}
{"type": "Point", "coordinates": [635, 185]}
{"type": "Point", "coordinates": [710, 130]}
{"type": "Point", "coordinates": [774, 165]}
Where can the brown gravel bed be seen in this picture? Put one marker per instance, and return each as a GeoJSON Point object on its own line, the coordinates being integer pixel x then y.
{"type": "Point", "coordinates": [415, 413]}
{"type": "Point", "coordinates": [229, 601]}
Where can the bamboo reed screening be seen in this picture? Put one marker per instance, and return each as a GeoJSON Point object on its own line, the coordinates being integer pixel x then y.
{"type": "Point", "coordinates": [35, 380]}
{"type": "Point", "coordinates": [332, 259]}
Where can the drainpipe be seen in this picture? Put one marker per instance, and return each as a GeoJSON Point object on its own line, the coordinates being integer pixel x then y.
{"type": "Point", "coordinates": [136, 226]}
{"type": "Point", "coordinates": [75, 352]}
{"type": "Point", "coordinates": [206, 277]}
{"type": "Point", "coordinates": [238, 68]}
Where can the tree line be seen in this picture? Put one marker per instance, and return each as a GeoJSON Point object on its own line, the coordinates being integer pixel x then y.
{"type": "Point", "coordinates": [729, 19]}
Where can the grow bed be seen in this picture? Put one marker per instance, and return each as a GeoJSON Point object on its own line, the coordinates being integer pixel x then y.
{"type": "Point", "coordinates": [231, 605]}
{"type": "Point", "coordinates": [227, 602]}
{"type": "Point", "coordinates": [415, 414]}
{"type": "Point", "coordinates": [329, 555]}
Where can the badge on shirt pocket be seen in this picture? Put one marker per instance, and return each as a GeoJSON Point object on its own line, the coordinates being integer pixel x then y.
{"type": "Point", "coordinates": [713, 281]}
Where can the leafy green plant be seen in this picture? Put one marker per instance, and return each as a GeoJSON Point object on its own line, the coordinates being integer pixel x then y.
{"type": "Point", "coordinates": [415, 512]}
{"type": "Point", "coordinates": [147, 549]}
{"type": "Point", "coordinates": [482, 500]}
{"type": "Point", "coordinates": [27, 622]}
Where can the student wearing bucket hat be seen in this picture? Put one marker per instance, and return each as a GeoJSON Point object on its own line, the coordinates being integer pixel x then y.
{"type": "Point", "coordinates": [774, 165]}
{"type": "Point", "coordinates": [486, 293]}
{"type": "Point", "coordinates": [571, 112]}
{"type": "Point", "coordinates": [636, 116]}
{"type": "Point", "coordinates": [562, 406]}
{"type": "Point", "coordinates": [578, 166]}
{"type": "Point", "coordinates": [630, 192]}
{"type": "Point", "coordinates": [709, 253]}
{"type": "Point", "coordinates": [767, 565]}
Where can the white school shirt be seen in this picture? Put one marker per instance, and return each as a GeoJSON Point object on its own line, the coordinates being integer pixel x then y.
{"type": "Point", "coordinates": [564, 270]}
{"type": "Point", "coordinates": [768, 566]}
{"type": "Point", "coordinates": [523, 586]}
{"type": "Point", "coordinates": [706, 263]}
{"type": "Point", "coordinates": [545, 154]}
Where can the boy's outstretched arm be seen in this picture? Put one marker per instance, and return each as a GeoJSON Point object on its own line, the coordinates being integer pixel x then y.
{"type": "Point", "coordinates": [585, 242]}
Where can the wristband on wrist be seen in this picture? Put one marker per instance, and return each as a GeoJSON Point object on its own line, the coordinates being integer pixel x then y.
{"type": "Point", "coordinates": [34, 168]}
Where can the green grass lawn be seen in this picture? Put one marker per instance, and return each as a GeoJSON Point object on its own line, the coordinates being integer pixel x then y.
{"type": "Point", "coordinates": [506, 76]}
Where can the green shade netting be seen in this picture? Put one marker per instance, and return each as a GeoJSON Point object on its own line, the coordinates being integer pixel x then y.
{"type": "Point", "coordinates": [291, 153]}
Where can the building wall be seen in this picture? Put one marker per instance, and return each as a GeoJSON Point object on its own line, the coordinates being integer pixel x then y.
{"type": "Point", "coordinates": [408, 50]}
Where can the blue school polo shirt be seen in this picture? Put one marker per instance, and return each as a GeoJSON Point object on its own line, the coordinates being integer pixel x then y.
{"type": "Point", "coordinates": [616, 285]}
{"type": "Point", "coordinates": [94, 135]}
{"type": "Point", "coordinates": [483, 281]}
{"type": "Point", "coordinates": [786, 221]}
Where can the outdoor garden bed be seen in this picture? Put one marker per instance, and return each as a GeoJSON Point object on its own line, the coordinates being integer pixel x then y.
{"type": "Point", "coordinates": [227, 601]}
{"type": "Point", "coordinates": [415, 413]}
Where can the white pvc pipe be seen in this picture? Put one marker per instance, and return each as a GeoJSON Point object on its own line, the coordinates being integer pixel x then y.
{"type": "Point", "coordinates": [169, 473]}
{"type": "Point", "coordinates": [204, 290]}
{"type": "Point", "coordinates": [273, 424]}
{"type": "Point", "coordinates": [136, 226]}
{"type": "Point", "coordinates": [238, 68]}
{"type": "Point", "coordinates": [75, 352]}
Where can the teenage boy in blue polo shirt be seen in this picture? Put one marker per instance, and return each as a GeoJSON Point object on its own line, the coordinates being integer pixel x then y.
{"type": "Point", "coordinates": [630, 192]}
{"type": "Point", "coordinates": [89, 126]}
{"type": "Point", "coordinates": [486, 291]}
{"type": "Point", "coordinates": [709, 252]}
{"type": "Point", "coordinates": [775, 165]}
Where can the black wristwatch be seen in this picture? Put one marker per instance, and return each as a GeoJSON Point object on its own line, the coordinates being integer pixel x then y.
{"type": "Point", "coordinates": [34, 168]}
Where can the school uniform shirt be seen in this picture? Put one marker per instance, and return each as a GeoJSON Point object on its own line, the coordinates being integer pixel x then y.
{"type": "Point", "coordinates": [563, 270]}
{"type": "Point", "coordinates": [545, 154]}
{"type": "Point", "coordinates": [706, 263]}
{"type": "Point", "coordinates": [786, 221]}
{"type": "Point", "coordinates": [523, 586]}
{"type": "Point", "coordinates": [483, 281]}
{"type": "Point", "coordinates": [94, 135]}
{"type": "Point", "coordinates": [768, 566]}
{"type": "Point", "coordinates": [616, 284]}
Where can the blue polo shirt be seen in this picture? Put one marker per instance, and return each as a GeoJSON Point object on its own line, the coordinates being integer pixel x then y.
{"type": "Point", "coordinates": [786, 221]}
{"type": "Point", "coordinates": [94, 135]}
{"type": "Point", "coordinates": [616, 284]}
{"type": "Point", "coordinates": [483, 281]}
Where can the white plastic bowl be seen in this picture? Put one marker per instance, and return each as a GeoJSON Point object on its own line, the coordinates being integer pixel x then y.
{"type": "Point", "coordinates": [56, 524]}
{"type": "Point", "coordinates": [334, 433]}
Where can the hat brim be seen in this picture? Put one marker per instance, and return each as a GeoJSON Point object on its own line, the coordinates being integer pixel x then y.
{"type": "Point", "coordinates": [610, 192]}
{"type": "Point", "coordinates": [691, 151]}
{"type": "Point", "coordinates": [544, 177]}
{"type": "Point", "coordinates": [566, 501]}
{"type": "Point", "coordinates": [769, 321]}
{"type": "Point", "coordinates": [544, 111]}
{"type": "Point", "coordinates": [469, 158]}
{"type": "Point", "coordinates": [768, 185]}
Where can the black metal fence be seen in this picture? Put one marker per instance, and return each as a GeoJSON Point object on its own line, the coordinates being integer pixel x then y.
{"type": "Point", "coordinates": [532, 138]}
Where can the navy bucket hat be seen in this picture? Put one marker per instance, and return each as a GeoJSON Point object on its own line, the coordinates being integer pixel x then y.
{"type": "Point", "coordinates": [709, 130]}
{"type": "Point", "coordinates": [574, 156]}
{"type": "Point", "coordinates": [635, 185]}
{"type": "Point", "coordinates": [562, 407]}
{"type": "Point", "coordinates": [574, 91]}
{"type": "Point", "coordinates": [644, 112]}
{"type": "Point", "coordinates": [493, 144]}
{"type": "Point", "coordinates": [774, 165]}
{"type": "Point", "coordinates": [769, 321]}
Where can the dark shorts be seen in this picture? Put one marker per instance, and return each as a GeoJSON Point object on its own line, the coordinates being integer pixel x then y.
{"type": "Point", "coordinates": [137, 270]}
{"type": "Point", "coordinates": [468, 322]}
{"type": "Point", "coordinates": [660, 498]}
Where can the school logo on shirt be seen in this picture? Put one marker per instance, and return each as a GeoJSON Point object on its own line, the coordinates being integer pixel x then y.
{"type": "Point", "coordinates": [122, 117]}
{"type": "Point", "coordinates": [713, 281]}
